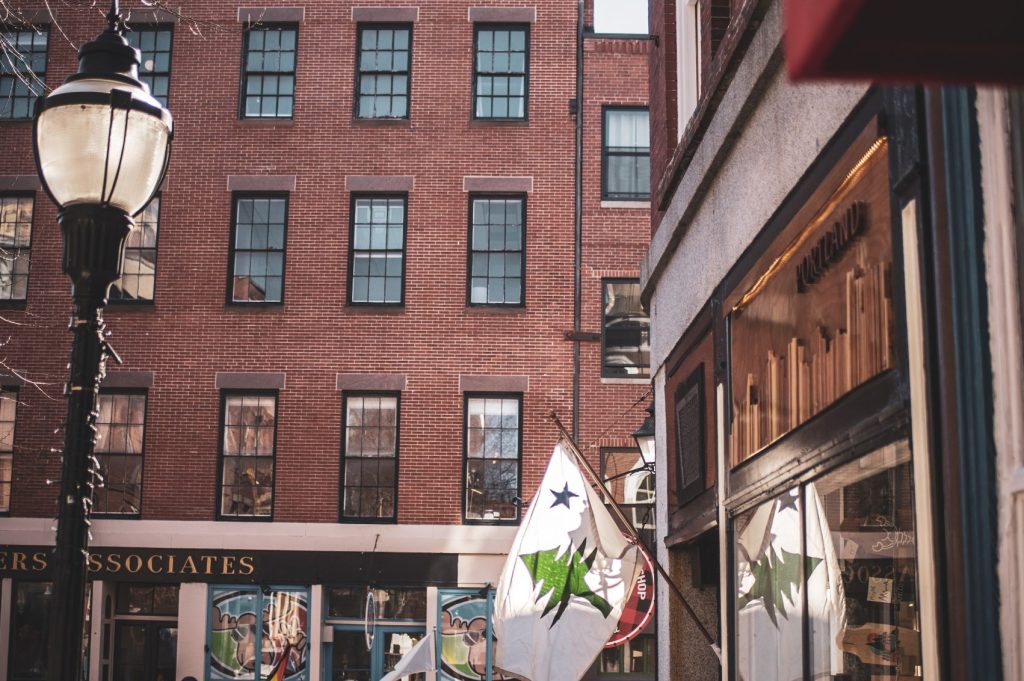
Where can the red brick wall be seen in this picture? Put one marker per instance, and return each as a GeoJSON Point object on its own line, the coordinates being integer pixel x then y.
{"type": "Point", "coordinates": [190, 334]}
{"type": "Point", "coordinates": [714, 20]}
{"type": "Point", "coordinates": [614, 238]}
{"type": "Point", "coordinates": [663, 93]}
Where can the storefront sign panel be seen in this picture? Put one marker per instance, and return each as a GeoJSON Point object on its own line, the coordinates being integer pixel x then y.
{"type": "Point", "coordinates": [234, 567]}
{"type": "Point", "coordinates": [815, 320]}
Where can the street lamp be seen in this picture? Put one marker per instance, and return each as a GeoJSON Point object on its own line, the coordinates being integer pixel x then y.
{"type": "Point", "coordinates": [644, 436]}
{"type": "Point", "coordinates": [101, 146]}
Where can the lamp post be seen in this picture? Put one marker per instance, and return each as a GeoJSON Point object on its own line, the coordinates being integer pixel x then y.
{"type": "Point", "coordinates": [101, 146]}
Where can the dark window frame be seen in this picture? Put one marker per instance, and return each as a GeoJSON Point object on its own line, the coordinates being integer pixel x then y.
{"type": "Point", "coordinates": [44, 29]}
{"type": "Point", "coordinates": [245, 73]}
{"type": "Point", "coordinates": [235, 198]}
{"type": "Point", "coordinates": [522, 197]}
{"type": "Point", "coordinates": [463, 486]}
{"type": "Point", "coordinates": [690, 492]}
{"type": "Point", "coordinates": [156, 253]}
{"type": "Point", "coordinates": [382, 25]}
{"type": "Point", "coordinates": [121, 588]}
{"type": "Point", "coordinates": [604, 336]}
{"type": "Point", "coordinates": [607, 195]}
{"type": "Point", "coordinates": [224, 395]}
{"type": "Point", "coordinates": [404, 196]}
{"type": "Point", "coordinates": [489, 26]}
{"type": "Point", "coordinates": [15, 391]}
{"type": "Point", "coordinates": [158, 26]}
{"type": "Point", "coordinates": [382, 520]}
{"type": "Point", "coordinates": [142, 451]}
{"type": "Point", "coordinates": [20, 303]}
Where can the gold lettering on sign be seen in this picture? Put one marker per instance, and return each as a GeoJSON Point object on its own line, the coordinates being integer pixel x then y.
{"type": "Point", "coordinates": [39, 561]}
{"type": "Point", "coordinates": [170, 564]}
{"type": "Point", "coordinates": [246, 563]}
{"type": "Point", "coordinates": [133, 563]}
{"type": "Point", "coordinates": [94, 563]}
{"type": "Point", "coordinates": [114, 562]}
{"type": "Point", "coordinates": [207, 564]}
{"type": "Point", "coordinates": [189, 565]}
{"type": "Point", "coordinates": [227, 565]}
{"type": "Point", "coordinates": [18, 560]}
{"type": "Point", "coordinates": [149, 565]}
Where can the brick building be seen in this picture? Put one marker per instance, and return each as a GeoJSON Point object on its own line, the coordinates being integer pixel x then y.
{"type": "Point", "coordinates": [344, 323]}
{"type": "Point", "coordinates": [834, 287]}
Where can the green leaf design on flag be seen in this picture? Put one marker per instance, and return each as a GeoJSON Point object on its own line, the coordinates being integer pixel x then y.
{"type": "Point", "coordinates": [563, 577]}
{"type": "Point", "coordinates": [776, 576]}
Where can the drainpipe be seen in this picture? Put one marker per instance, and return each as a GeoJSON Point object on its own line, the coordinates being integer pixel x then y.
{"type": "Point", "coordinates": [578, 247]}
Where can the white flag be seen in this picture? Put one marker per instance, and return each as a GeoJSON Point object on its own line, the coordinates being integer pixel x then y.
{"type": "Point", "coordinates": [565, 581]}
{"type": "Point", "coordinates": [419, 659]}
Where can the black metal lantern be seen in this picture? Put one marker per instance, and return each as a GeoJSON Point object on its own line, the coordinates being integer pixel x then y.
{"type": "Point", "coordinates": [101, 145]}
{"type": "Point", "coordinates": [644, 437]}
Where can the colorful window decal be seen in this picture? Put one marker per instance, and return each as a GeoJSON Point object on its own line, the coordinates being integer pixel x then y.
{"type": "Point", "coordinates": [246, 620]}
{"type": "Point", "coordinates": [466, 646]}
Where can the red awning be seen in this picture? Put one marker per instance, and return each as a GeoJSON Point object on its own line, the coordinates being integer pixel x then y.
{"type": "Point", "coordinates": [905, 41]}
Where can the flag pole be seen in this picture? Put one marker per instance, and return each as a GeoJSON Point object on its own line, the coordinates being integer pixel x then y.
{"type": "Point", "coordinates": [626, 525]}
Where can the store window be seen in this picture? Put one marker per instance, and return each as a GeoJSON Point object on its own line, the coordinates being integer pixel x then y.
{"type": "Point", "coordinates": [691, 436]}
{"type": "Point", "coordinates": [146, 631]}
{"type": "Point", "coordinates": [400, 624]}
{"type": "Point", "coordinates": [138, 278]}
{"type": "Point", "coordinates": [500, 72]}
{"type": "Point", "coordinates": [258, 633]}
{"type": "Point", "coordinates": [268, 79]}
{"type": "Point", "coordinates": [15, 245]}
{"type": "Point", "coordinates": [497, 259]}
{"type": "Point", "coordinates": [465, 625]}
{"type": "Point", "coordinates": [843, 546]}
{"type": "Point", "coordinates": [493, 457]}
{"type": "Point", "coordinates": [377, 255]}
{"type": "Point", "coordinates": [626, 154]}
{"type": "Point", "coordinates": [8, 415]}
{"type": "Point", "coordinates": [626, 331]}
{"type": "Point", "coordinates": [22, 72]}
{"type": "Point", "coordinates": [30, 619]}
{"type": "Point", "coordinates": [248, 443]}
{"type": "Point", "coordinates": [154, 43]}
{"type": "Point", "coordinates": [120, 438]}
{"type": "Point", "coordinates": [370, 456]}
{"type": "Point", "coordinates": [635, 658]}
{"type": "Point", "coordinates": [258, 249]}
{"type": "Point", "coordinates": [383, 78]}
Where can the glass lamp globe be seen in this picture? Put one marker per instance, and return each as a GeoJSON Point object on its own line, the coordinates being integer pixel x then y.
{"type": "Point", "coordinates": [644, 437]}
{"type": "Point", "coordinates": [101, 138]}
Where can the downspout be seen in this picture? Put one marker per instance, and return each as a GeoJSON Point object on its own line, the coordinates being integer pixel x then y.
{"type": "Point", "coordinates": [578, 246]}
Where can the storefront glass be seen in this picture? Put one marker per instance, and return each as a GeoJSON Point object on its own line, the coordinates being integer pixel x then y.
{"type": "Point", "coordinates": [832, 562]}
{"type": "Point", "coordinates": [258, 634]}
{"type": "Point", "coordinates": [30, 614]}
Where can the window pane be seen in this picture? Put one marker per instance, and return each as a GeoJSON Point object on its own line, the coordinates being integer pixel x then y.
{"type": "Point", "coordinates": [626, 151]}
{"type": "Point", "coordinates": [270, 71]}
{"type": "Point", "coordinates": [378, 238]}
{"type": "Point", "coordinates": [247, 455]}
{"type": "Point", "coordinates": [493, 451]}
{"type": "Point", "coordinates": [259, 244]}
{"type": "Point", "coordinates": [30, 614]}
{"type": "Point", "coordinates": [119, 449]}
{"type": "Point", "coordinates": [496, 258]}
{"type": "Point", "coordinates": [769, 590]}
{"type": "Point", "coordinates": [500, 63]}
{"type": "Point", "coordinates": [626, 331]}
{"type": "Point", "coordinates": [139, 278]}
{"type": "Point", "coordinates": [22, 74]}
{"type": "Point", "coordinates": [15, 243]}
{"type": "Point", "coordinates": [155, 66]}
{"type": "Point", "coordinates": [383, 70]}
{"type": "Point", "coordinates": [370, 449]}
